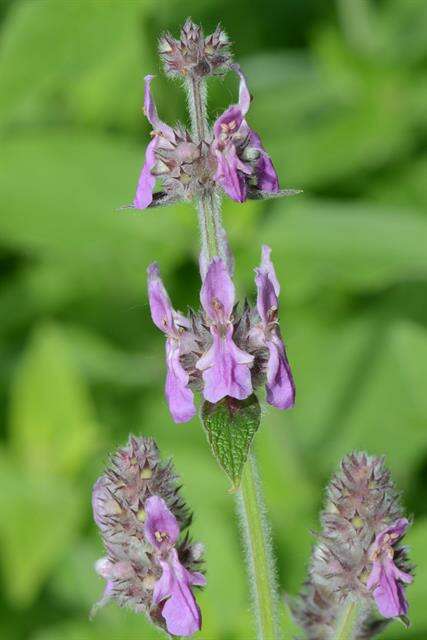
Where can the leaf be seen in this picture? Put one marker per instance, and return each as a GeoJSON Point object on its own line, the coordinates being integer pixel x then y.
{"type": "Point", "coordinates": [87, 68]}
{"type": "Point", "coordinates": [66, 214]}
{"type": "Point", "coordinates": [231, 426]}
{"type": "Point", "coordinates": [51, 418]}
{"type": "Point", "coordinates": [389, 408]}
{"type": "Point", "coordinates": [40, 517]}
{"type": "Point", "coordinates": [344, 246]}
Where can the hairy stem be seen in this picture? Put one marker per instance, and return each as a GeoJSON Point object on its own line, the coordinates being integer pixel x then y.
{"type": "Point", "coordinates": [212, 234]}
{"type": "Point", "coordinates": [250, 500]}
{"type": "Point", "coordinates": [347, 622]}
{"type": "Point", "coordinates": [259, 555]}
{"type": "Point", "coordinates": [196, 92]}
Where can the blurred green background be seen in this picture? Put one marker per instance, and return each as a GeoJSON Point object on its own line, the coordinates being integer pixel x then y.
{"type": "Point", "coordinates": [340, 95]}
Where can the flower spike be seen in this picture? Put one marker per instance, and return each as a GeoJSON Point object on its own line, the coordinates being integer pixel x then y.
{"type": "Point", "coordinates": [140, 514]}
{"type": "Point", "coordinates": [358, 557]}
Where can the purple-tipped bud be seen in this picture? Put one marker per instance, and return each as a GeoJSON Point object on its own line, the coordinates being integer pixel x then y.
{"type": "Point", "coordinates": [194, 55]}
{"type": "Point", "coordinates": [358, 556]}
{"type": "Point", "coordinates": [140, 514]}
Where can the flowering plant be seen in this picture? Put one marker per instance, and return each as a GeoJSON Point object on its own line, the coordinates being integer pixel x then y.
{"type": "Point", "coordinates": [226, 352]}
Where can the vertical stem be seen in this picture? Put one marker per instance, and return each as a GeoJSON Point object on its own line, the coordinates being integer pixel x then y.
{"type": "Point", "coordinates": [347, 623]}
{"type": "Point", "coordinates": [213, 237]}
{"type": "Point", "coordinates": [260, 561]}
{"type": "Point", "coordinates": [196, 92]}
{"type": "Point", "coordinates": [250, 499]}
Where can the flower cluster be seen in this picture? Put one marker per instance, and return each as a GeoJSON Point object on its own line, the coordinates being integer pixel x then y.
{"type": "Point", "coordinates": [231, 158]}
{"type": "Point", "coordinates": [140, 514]}
{"type": "Point", "coordinates": [221, 351]}
{"type": "Point", "coordinates": [358, 556]}
{"type": "Point", "coordinates": [194, 55]}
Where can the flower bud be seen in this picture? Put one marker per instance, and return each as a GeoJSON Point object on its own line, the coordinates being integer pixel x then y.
{"type": "Point", "coordinates": [193, 55]}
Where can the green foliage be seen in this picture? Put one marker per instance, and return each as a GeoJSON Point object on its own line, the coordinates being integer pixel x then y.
{"type": "Point", "coordinates": [339, 100]}
{"type": "Point", "coordinates": [49, 403]}
{"type": "Point", "coordinates": [231, 426]}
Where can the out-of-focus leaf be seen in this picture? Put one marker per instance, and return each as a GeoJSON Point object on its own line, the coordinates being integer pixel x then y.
{"type": "Point", "coordinates": [389, 412]}
{"type": "Point", "coordinates": [76, 581]}
{"type": "Point", "coordinates": [405, 26]}
{"type": "Point", "coordinates": [40, 515]}
{"type": "Point", "coordinates": [403, 187]}
{"type": "Point", "coordinates": [66, 213]}
{"type": "Point", "coordinates": [51, 420]}
{"type": "Point", "coordinates": [110, 622]}
{"type": "Point", "coordinates": [102, 362]}
{"type": "Point", "coordinates": [74, 60]}
{"type": "Point", "coordinates": [342, 116]}
{"type": "Point", "coordinates": [290, 495]}
{"type": "Point", "coordinates": [344, 246]}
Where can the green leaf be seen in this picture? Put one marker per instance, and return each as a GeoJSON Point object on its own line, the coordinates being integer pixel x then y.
{"type": "Point", "coordinates": [88, 63]}
{"type": "Point", "coordinates": [69, 221]}
{"type": "Point", "coordinates": [40, 516]}
{"type": "Point", "coordinates": [344, 246]}
{"type": "Point", "coordinates": [231, 426]}
{"type": "Point", "coordinates": [51, 417]}
{"type": "Point", "coordinates": [388, 411]}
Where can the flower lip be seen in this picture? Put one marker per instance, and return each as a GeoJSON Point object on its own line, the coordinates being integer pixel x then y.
{"type": "Point", "coordinates": [386, 578]}
{"type": "Point", "coordinates": [161, 527]}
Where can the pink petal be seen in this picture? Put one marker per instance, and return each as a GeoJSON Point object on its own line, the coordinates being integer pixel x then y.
{"type": "Point", "coordinates": [230, 173]}
{"type": "Point", "coordinates": [280, 385]}
{"type": "Point", "coordinates": [180, 610]}
{"type": "Point", "coordinates": [217, 293]}
{"type": "Point", "coordinates": [268, 267]}
{"type": "Point", "coordinates": [144, 191]}
{"type": "Point", "coordinates": [162, 312]}
{"type": "Point", "coordinates": [179, 397]}
{"type": "Point", "coordinates": [267, 301]}
{"type": "Point", "coordinates": [150, 111]}
{"type": "Point", "coordinates": [160, 520]}
{"type": "Point", "coordinates": [225, 369]}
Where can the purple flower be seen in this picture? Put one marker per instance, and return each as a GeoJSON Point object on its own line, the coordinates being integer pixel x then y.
{"type": "Point", "coordinates": [280, 386]}
{"type": "Point", "coordinates": [386, 578]}
{"type": "Point", "coordinates": [241, 158]}
{"type": "Point", "coordinates": [180, 398]}
{"type": "Point", "coordinates": [225, 367]}
{"type": "Point", "coordinates": [173, 589]}
{"type": "Point", "coordinates": [163, 137]}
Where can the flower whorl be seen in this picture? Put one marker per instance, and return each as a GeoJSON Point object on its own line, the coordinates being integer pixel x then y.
{"type": "Point", "coordinates": [140, 514]}
{"type": "Point", "coordinates": [357, 554]}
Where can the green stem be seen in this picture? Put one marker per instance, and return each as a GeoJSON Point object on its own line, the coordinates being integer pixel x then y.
{"type": "Point", "coordinates": [250, 500]}
{"type": "Point", "coordinates": [347, 623]}
{"type": "Point", "coordinates": [260, 561]}
{"type": "Point", "coordinates": [212, 234]}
